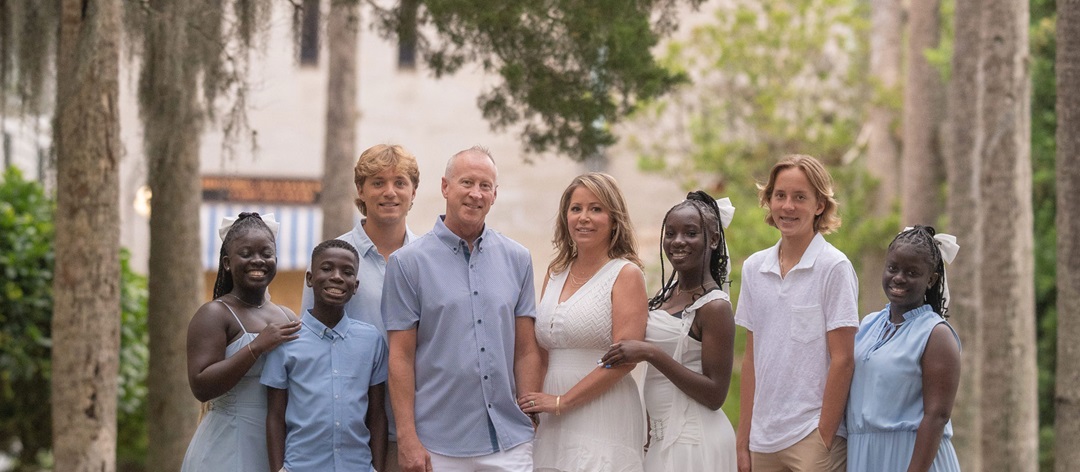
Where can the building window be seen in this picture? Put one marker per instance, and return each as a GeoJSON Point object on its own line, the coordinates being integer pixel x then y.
{"type": "Point", "coordinates": [407, 35]}
{"type": "Point", "coordinates": [308, 18]}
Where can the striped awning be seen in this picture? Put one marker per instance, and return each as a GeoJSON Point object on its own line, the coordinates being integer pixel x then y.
{"type": "Point", "coordinates": [299, 233]}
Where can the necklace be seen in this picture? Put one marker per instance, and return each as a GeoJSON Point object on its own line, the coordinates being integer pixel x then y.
{"type": "Point", "coordinates": [245, 302]}
{"type": "Point", "coordinates": [579, 282]}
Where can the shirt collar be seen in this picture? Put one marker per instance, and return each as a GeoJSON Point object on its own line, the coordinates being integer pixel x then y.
{"type": "Point", "coordinates": [364, 245]}
{"type": "Point", "coordinates": [340, 331]}
{"type": "Point", "coordinates": [911, 314]}
{"type": "Point", "coordinates": [453, 241]}
{"type": "Point", "coordinates": [810, 255]}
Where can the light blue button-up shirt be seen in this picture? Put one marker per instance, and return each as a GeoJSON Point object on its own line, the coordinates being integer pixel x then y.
{"type": "Point", "coordinates": [366, 304]}
{"type": "Point", "coordinates": [464, 308]}
{"type": "Point", "coordinates": [327, 372]}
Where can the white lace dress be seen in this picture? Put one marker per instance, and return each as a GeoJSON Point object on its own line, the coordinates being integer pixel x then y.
{"type": "Point", "coordinates": [684, 434]}
{"type": "Point", "coordinates": [608, 433]}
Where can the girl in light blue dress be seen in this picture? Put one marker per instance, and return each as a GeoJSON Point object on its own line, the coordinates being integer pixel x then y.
{"type": "Point", "coordinates": [226, 340]}
{"type": "Point", "coordinates": [907, 365]}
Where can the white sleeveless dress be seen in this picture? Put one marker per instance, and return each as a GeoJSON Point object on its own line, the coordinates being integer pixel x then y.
{"type": "Point", "coordinates": [684, 434]}
{"type": "Point", "coordinates": [232, 435]}
{"type": "Point", "coordinates": [608, 433]}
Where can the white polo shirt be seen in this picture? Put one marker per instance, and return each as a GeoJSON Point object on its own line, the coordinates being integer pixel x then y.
{"type": "Point", "coordinates": [789, 317]}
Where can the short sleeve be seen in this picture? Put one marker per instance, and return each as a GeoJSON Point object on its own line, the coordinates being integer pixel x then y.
{"type": "Point", "coordinates": [380, 361]}
{"type": "Point", "coordinates": [400, 299]}
{"type": "Point", "coordinates": [274, 373]}
{"type": "Point", "coordinates": [526, 304]}
{"type": "Point", "coordinates": [841, 301]}
{"type": "Point", "coordinates": [744, 309]}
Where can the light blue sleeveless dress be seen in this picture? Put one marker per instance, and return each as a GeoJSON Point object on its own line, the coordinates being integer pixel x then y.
{"type": "Point", "coordinates": [885, 406]}
{"type": "Point", "coordinates": [232, 434]}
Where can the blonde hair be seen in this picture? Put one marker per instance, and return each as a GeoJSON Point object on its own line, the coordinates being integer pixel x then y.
{"type": "Point", "coordinates": [380, 157]}
{"type": "Point", "coordinates": [829, 220]}
{"type": "Point", "coordinates": [622, 245]}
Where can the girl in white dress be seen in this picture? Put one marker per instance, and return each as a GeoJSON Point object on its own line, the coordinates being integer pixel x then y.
{"type": "Point", "coordinates": [591, 418]}
{"type": "Point", "coordinates": [688, 344]}
{"type": "Point", "coordinates": [226, 340]}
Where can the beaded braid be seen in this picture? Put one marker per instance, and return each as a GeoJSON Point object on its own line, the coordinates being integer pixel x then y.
{"type": "Point", "coordinates": [709, 212]}
{"type": "Point", "coordinates": [244, 222]}
{"type": "Point", "coordinates": [922, 238]}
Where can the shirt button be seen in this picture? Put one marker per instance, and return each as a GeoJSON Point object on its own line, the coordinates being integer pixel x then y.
{"type": "Point", "coordinates": [485, 377]}
{"type": "Point", "coordinates": [489, 405]}
{"type": "Point", "coordinates": [335, 371]}
{"type": "Point", "coordinates": [479, 321]}
{"type": "Point", "coordinates": [475, 292]}
{"type": "Point", "coordinates": [481, 350]}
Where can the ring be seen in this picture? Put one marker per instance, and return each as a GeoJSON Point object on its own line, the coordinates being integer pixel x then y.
{"type": "Point", "coordinates": [532, 402]}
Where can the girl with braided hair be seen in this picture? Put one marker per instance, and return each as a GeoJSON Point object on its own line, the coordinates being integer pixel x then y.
{"type": "Point", "coordinates": [689, 342]}
{"type": "Point", "coordinates": [907, 364]}
{"type": "Point", "coordinates": [226, 340]}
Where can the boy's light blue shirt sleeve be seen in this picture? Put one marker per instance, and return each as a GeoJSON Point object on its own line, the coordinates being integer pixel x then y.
{"type": "Point", "coordinates": [380, 365]}
{"type": "Point", "coordinates": [274, 374]}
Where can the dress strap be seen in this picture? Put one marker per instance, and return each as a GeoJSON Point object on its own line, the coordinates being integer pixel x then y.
{"type": "Point", "coordinates": [285, 314]}
{"type": "Point", "coordinates": [237, 318]}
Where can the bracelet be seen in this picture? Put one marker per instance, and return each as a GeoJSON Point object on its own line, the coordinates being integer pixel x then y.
{"type": "Point", "coordinates": [557, 399]}
{"type": "Point", "coordinates": [252, 351]}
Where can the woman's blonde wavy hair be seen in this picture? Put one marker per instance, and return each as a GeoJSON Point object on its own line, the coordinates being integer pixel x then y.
{"type": "Point", "coordinates": [623, 244]}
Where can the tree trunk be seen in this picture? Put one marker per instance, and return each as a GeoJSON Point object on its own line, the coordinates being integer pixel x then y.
{"type": "Point", "coordinates": [883, 149]}
{"type": "Point", "coordinates": [963, 150]}
{"type": "Point", "coordinates": [86, 285]}
{"type": "Point", "coordinates": [924, 98]}
{"type": "Point", "coordinates": [172, 123]}
{"type": "Point", "coordinates": [1067, 396]}
{"type": "Point", "coordinates": [338, 194]}
{"type": "Point", "coordinates": [1010, 407]}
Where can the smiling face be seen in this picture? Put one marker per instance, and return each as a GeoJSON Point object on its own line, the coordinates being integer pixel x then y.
{"type": "Point", "coordinates": [588, 221]}
{"type": "Point", "coordinates": [252, 259]}
{"type": "Point", "coordinates": [794, 204]}
{"type": "Point", "coordinates": [686, 243]}
{"type": "Point", "coordinates": [387, 196]}
{"type": "Point", "coordinates": [469, 189]}
{"type": "Point", "coordinates": [332, 277]}
{"type": "Point", "coordinates": [906, 278]}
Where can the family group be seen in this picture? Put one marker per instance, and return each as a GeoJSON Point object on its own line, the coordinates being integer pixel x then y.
{"type": "Point", "coordinates": [430, 353]}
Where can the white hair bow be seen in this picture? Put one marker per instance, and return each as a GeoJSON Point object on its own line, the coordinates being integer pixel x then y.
{"type": "Point", "coordinates": [946, 243]}
{"type": "Point", "coordinates": [727, 211]}
{"type": "Point", "coordinates": [228, 221]}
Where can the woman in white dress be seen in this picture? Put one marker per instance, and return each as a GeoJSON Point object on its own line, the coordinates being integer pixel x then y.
{"type": "Point", "coordinates": [591, 418]}
{"type": "Point", "coordinates": [226, 340]}
{"type": "Point", "coordinates": [688, 344]}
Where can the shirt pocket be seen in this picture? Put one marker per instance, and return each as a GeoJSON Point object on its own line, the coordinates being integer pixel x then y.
{"type": "Point", "coordinates": [807, 323]}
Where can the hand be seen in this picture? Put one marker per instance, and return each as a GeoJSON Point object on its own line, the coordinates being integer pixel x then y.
{"type": "Point", "coordinates": [538, 402]}
{"type": "Point", "coordinates": [412, 457]}
{"type": "Point", "coordinates": [627, 352]}
{"type": "Point", "coordinates": [742, 455]}
{"type": "Point", "coordinates": [828, 443]}
{"type": "Point", "coordinates": [274, 334]}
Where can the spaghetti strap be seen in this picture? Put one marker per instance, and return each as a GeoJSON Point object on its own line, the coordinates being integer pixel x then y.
{"type": "Point", "coordinates": [283, 313]}
{"type": "Point", "coordinates": [237, 318]}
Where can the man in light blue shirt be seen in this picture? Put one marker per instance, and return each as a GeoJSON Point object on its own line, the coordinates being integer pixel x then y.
{"type": "Point", "coordinates": [386, 177]}
{"type": "Point", "coordinates": [459, 306]}
{"type": "Point", "coordinates": [320, 384]}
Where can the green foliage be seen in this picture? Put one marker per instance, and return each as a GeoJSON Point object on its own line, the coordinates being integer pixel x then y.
{"type": "Point", "coordinates": [769, 79]}
{"type": "Point", "coordinates": [26, 265]}
{"type": "Point", "coordinates": [131, 410]}
{"type": "Point", "coordinates": [1043, 151]}
{"type": "Point", "coordinates": [570, 69]}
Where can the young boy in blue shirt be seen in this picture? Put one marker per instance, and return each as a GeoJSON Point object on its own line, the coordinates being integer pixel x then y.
{"type": "Point", "coordinates": [320, 385]}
